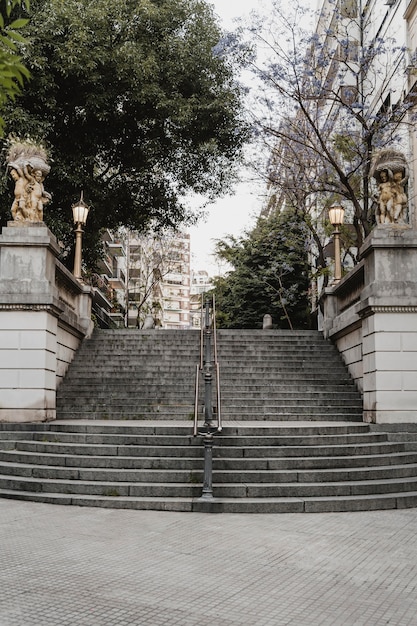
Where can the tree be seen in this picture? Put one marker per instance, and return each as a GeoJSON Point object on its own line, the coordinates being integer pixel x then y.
{"type": "Point", "coordinates": [270, 275]}
{"type": "Point", "coordinates": [150, 258]}
{"type": "Point", "coordinates": [12, 71]}
{"type": "Point", "coordinates": [331, 100]}
{"type": "Point", "coordinates": [134, 107]}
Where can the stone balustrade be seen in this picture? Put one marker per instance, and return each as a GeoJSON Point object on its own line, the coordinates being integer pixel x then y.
{"type": "Point", "coordinates": [45, 313]}
{"type": "Point", "coordinates": [371, 315]}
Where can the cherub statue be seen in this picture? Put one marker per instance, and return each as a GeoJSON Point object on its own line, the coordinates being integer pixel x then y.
{"type": "Point", "coordinates": [38, 196]}
{"type": "Point", "coordinates": [385, 197]}
{"type": "Point", "coordinates": [400, 197]}
{"type": "Point", "coordinates": [20, 204]}
{"type": "Point", "coordinates": [28, 168]}
{"type": "Point", "coordinates": [390, 170]}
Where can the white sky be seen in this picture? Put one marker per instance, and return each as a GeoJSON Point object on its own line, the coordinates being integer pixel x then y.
{"type": "Point", "coordinates": [235, 213]}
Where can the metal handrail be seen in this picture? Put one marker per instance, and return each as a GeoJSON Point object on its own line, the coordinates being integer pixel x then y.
{"type": "Point", "coordinates": [216, 365]}
{"type": "Point", "coordinates": [214, 329]}
{"type": "Point", "coordinates": [202, 365]}
{"type": "Point", "coordinates": [201, 334]}
{"type": "Point", "coordinates": [197, 378]}
{"type": "Point", "coordinates": [198, 370]}
{"type": "Point", "coordinates": [219, 414]}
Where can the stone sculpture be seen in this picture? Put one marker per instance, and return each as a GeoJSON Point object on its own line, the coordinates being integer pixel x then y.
{"type": "Point", "coordinates": [390, 171]}
{"type": "Point", "coordinates": [28, 168]}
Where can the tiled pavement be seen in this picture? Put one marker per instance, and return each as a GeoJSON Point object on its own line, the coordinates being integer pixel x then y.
{"type": "Point", "coordinates": [79, 566]}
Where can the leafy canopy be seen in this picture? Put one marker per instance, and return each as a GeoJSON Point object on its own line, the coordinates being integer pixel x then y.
{"type": "Point", "coordinates": [270, 275]}
{"type": "Point", "coordinates": [12, 71]}
{"type": "Point", "coordinates": [133, 105]}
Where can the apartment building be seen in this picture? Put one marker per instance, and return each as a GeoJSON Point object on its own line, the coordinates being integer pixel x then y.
{"type": "Point", "coordinates": [146, 279]}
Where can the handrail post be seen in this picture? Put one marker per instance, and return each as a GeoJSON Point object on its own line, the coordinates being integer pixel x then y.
{"type": "Point", "coordinates": [208, 376]}
{"type": "Point", "coordinates": [208, 327]}
{"type": "Point", "coordinates": [207, 492]}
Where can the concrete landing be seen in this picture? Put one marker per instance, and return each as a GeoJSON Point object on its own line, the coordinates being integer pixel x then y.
{"type": "Point", "coordinates": [101, 567]}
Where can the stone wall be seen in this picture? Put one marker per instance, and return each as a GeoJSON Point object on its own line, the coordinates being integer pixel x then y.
{"type": "Point", "coordinates": [371, 315]}
{"type": "Point", "coordinates": [44, 315]}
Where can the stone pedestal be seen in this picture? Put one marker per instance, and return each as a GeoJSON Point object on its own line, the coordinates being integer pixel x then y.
{"type": "Point", "coordinates": [371, 315]}
{"type": "Point", "coordinates": [388, 308]}
{"type": "Point", "coordinates": [31, 311]}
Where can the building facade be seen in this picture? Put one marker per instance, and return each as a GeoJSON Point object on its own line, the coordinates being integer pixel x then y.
{"type": "Point", "coordinates": [146, 279]}
{"type": "Point", "coordinates": [354, 99]}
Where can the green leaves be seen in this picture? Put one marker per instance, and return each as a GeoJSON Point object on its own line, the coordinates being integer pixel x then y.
{"type": "Point", "coordinates": [12, 71]}
{"type": "Point", "coordinates": [270, 275]}
{"type": "Point", "coordinates": [11, 4]}
{"type": "Point", "coordinates": [133, 105]}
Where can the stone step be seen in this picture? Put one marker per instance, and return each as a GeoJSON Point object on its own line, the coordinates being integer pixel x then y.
{"type": "Point", "coordinates": [296, 381]}
{"type": "Point", "coordinates": [220, 476]}
{"type": "Point", "coordinates": [257, 411]}
{"type": "Point", "coordinates": [227, 393]}
{"type": "Point", "coordinates": [219, 451]}
{"type": "Point", "coordinates": [265, 362]}
{"type": "Point", "coordinates": [266, 405]}
{"type": "Point", "coordinates": [221, 440]}
{"type": "Point", "coordinates": [260, 399]}
{"type": "Point", "coordinates": [180, 428]}
{"type": "Point", "coordinates": [240, 374]}
{"type": "Point", "coordinates": [186, 462]}
{"type": "Point", "coordinates": [241, 417]}
{"type": "Point", "coordinates": [226, 505]}
{"type": "Point", "coordinates": [183, 408]}
{"type": "Point", "coordinates": [222, 490]}
{"type": "Point", "coordinates": [274, 353]}
{"type": "Point", "coordinates": [258, 387]}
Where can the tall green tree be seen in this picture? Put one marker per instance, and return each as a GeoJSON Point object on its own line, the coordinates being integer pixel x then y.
{"type": "Point", "coordinates": [269, 275]}
{"type": "Point", "coordinates": [134, 106]}
{"type": "Point", "coordinates": [12, 71]}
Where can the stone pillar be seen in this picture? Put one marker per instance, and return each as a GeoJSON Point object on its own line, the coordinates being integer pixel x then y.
{"type": "Point", "coordinates": [29, 312]}
{"type": "Point", "coordinates": [267, 322]}
{"type": "Point", "coordinates": [388, 308]}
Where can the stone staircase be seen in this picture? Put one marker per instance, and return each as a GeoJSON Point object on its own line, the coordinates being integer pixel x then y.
{"type": "Point", "coordinates": [265, 375]}
{"type": "Point", "coordinates": [293, 439]}
{"type": "Point", "coordinates": [313, 467]}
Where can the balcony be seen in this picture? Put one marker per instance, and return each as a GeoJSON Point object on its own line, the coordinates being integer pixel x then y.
{"type": "Point", "coordinates": [118, 280]}
{"type": "Point", "coordinates": [173, 278]}
{"type": "Point", "coordinates": [115, 248]}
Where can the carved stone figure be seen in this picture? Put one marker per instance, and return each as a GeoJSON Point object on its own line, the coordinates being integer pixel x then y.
{"type": "Point", "coordinates": [400, 197]}
{"type": "Point", "coordinates": [390, 171]}
{"type": "Point", "coordinates": [28, 167]}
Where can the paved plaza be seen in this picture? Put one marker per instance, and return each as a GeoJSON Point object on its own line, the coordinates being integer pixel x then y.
{"type": "Point", "coordinates": [88, 566]}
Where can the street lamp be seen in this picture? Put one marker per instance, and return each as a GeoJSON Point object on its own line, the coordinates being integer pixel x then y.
{"type": "Point", "coordinates": [336, 217]}
{"type": "Point", "coordinates": [80, 212]}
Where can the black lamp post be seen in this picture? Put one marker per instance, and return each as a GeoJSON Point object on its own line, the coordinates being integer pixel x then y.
{"type": "Point", "coordinates": [336, 217]}
{"type": "Point", "coordinates": [80, 213]}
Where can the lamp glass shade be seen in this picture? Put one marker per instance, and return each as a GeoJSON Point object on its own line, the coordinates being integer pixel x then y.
{"type": "Point", "coordinates": [336, 215]}
{"type": "Point", "coordinates": [80, 212]}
